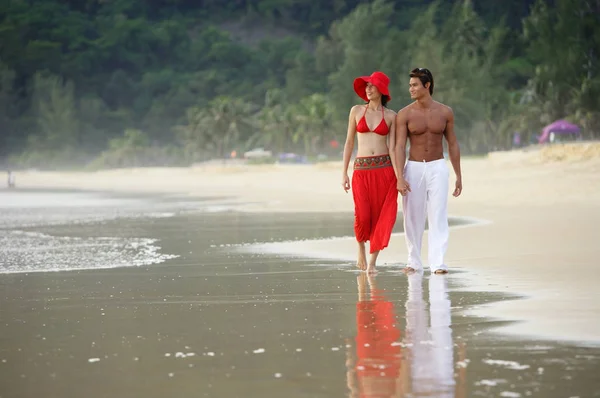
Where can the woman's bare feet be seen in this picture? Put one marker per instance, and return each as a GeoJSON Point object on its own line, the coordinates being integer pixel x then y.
{"type": "Point", "coordinates": [372, 262]}
{"type": "Point", "coordinates": [361, 263]}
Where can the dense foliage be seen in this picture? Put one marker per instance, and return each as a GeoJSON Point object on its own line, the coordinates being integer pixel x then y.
{"type": "Point", "coordinates": [124, 82]}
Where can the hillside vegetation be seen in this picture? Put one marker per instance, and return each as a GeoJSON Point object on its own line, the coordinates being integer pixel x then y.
{"type": "Point", "coordinates": [171, 82]}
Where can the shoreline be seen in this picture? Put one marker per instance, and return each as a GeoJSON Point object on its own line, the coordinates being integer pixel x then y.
{"type": "Point", "coordinates": [537, 241]}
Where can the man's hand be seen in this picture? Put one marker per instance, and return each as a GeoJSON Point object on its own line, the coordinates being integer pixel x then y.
{"type": "Point", "coordinates": [458, 187]}
{"type": "Point", "coordinates": [403, 186]}
{"type": "Point", "coordinates": [346, 183]}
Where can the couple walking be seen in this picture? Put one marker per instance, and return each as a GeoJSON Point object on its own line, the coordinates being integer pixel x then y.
{"type": "Point", "coordinates": [381, 170]}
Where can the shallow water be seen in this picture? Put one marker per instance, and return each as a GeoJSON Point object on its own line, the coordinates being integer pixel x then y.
{"type": "Point", "coordinates": [207, 320]}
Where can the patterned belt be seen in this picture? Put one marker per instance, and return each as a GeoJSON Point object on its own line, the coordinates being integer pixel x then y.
{"type": "Point", "coordinates": [372, 162]}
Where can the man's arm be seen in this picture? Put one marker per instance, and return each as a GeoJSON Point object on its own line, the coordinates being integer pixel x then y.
{"type": "Point", "coordinates": [401, 136]}
{"type": "Point", "coordinates": [400, 151]}
{"type": "Point", "coordinates": [392, 144]}
{"type": "Point", "coordinates": [453, 149]}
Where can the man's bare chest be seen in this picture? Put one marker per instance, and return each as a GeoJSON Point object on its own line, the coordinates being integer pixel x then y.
{"type": "Point", "coordinates": [431, 122]}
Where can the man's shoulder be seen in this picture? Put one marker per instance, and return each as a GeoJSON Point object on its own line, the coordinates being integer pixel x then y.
{"type": "Point", "coordinates": [406, 109]}
{"type": "Point", "coordinates": [443, 107]}
{"type": "Point", "coordinates": [409, 112]}
{"type": "Point", "coordinates": [390, 112]}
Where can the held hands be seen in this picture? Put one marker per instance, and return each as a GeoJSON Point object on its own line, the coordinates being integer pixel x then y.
{"type": "Point", "coordinates": [458, 187]}
{"type": "Point", "coordinates": [346, 183]}
{"type": "Point", "coordinates": [403, 186]}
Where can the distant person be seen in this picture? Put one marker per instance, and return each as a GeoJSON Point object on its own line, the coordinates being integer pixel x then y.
{"type": "Point", "coordinates": [374, 176]}
{"type": "Point", "coordinates": [11, 179]}
{"type": "Point", "coordinates": [516, 139]}
{"type": "Point", "coordinates": [423, 183]}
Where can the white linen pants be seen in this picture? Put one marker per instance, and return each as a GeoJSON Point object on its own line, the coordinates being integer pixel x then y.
{"type": "Point", "coordinates": [427, 200]}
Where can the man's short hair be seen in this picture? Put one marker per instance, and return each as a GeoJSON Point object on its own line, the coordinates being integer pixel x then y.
{"type": "Point", "coordinates": [425, 76]}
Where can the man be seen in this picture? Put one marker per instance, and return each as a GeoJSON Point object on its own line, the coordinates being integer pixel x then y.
{"type": "Point", "coordinates": [11, 179]}
{"type": "Point", "coordinates": [423, 183]}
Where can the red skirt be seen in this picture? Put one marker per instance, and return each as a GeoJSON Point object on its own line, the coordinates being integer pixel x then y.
{"type": "Point", "coordinates": [375, 200]}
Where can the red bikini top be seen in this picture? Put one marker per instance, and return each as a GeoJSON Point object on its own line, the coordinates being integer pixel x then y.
{"type": "Point", "coordinates": [381, 129]}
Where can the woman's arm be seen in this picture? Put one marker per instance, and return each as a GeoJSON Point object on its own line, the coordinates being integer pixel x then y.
{"type": "Point", "coordinates": [349, 147]}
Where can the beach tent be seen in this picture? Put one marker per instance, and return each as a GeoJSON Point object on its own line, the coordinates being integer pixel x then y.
{"type": "Point", "coordinates": [559, 127]}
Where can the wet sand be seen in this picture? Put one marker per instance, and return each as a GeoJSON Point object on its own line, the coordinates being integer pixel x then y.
{"type": "Point", "coordinates": [219, 321]}
{"type": "Point", "coordinates": [541, 209]}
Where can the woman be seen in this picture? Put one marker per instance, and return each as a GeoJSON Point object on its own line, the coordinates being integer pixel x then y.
{"type": "Point", "coordinates": [375, 170]}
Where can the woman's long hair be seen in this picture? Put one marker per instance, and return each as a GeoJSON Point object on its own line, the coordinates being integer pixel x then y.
{"type": "Point", "coordinates": [384, 100]}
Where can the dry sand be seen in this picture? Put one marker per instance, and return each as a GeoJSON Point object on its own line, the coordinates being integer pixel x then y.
{"type": "Point", "coordinates": [540, 238]}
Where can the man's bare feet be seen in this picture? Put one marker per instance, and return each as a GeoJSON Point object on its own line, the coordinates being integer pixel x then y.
{"type": "Point", "coordinates": [361, 263]}
{"type": "Point", "coordinates": [440, 271]}
{"type": "Point", "coordinates": [409, 270]}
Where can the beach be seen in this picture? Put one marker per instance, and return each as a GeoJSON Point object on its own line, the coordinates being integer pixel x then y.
{"type": "Point", "coordinates": [234, 280]}
{"type": "Point", "coordinates": [535, 213]}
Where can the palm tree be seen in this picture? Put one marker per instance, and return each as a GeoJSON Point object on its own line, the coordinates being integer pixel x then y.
{"type": "Point", "coordinates": [195, 135]}
{"type": "Point", "coordinates": [217, 129]}
{"type": "Point", "coordinates": [314, 116]}
{"type": "Point", "coordinates": [229, 121]}
{"type": "Point", "coordinates": [274, 121]}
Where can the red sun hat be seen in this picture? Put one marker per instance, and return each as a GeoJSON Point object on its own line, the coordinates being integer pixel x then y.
{"type": "Point", "coordinates": [378, 79]}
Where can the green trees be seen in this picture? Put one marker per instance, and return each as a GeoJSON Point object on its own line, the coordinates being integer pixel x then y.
{"type": "Point", "coordinates": [54, 110]}
{"type": "Point", "coordinates": [564, 44]}
{"type": "Point", "coordinates": [202, 79]}
{"type": "Point", "coordinates": [8, 138]}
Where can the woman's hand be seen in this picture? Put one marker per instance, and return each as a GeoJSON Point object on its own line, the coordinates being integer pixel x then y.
{"type": "Point", "coordinates": [346, 183]}
{"type": "Point", "coordinates": [403, 186]}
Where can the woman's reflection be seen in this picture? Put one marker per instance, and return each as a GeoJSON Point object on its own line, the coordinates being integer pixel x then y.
{"type": "Point", "coordinates": [425, 367]}
{"type": "Point", "coordinates": [376, 370]}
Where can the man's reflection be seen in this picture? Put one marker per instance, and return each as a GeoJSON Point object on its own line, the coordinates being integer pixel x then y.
{"type": "Point", "coordinates": [425, 366]}
{"type": "Point", "coordinates": [430, 349]}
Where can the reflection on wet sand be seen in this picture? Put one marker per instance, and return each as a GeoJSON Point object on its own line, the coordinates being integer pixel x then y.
{"type": "Point", "coordinates": [422, 364]}
{"type": "Point", "coordinates": [376, 369]}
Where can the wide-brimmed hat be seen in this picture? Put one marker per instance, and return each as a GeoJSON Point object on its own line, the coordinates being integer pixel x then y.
{"type": "Point", "coordinates": [378, 79]}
